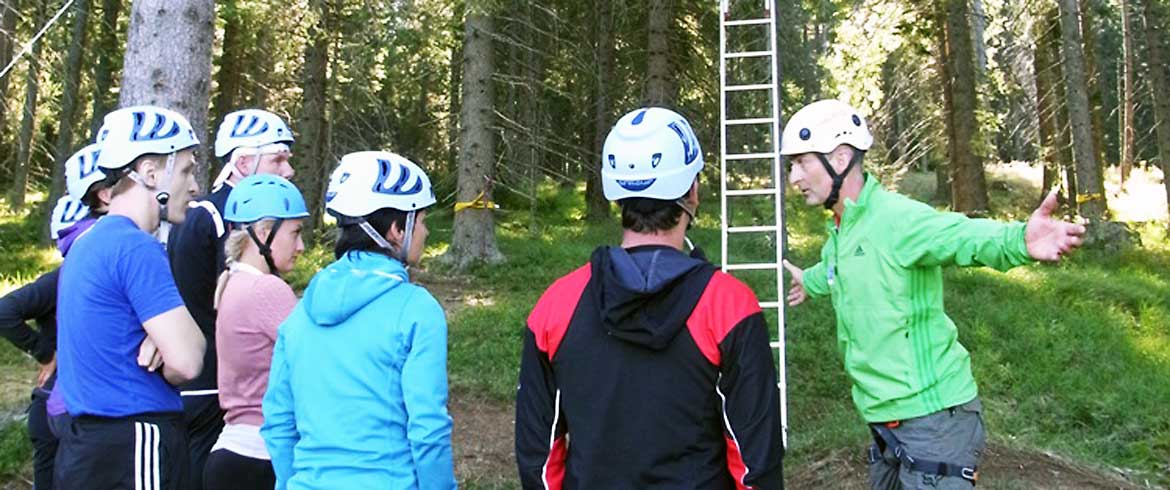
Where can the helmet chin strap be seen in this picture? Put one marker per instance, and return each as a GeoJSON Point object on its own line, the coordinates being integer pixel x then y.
{"type": "Point", "coordinates": [162, 196]}
{"type": "Point", "coordinates": [838, 179]}
{"type": "Point", "coordinates": [408, 235]}
{"type": "Point", "coordinates": [266, 246]}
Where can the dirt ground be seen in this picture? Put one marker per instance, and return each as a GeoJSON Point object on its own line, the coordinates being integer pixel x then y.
{"type": "Point", "coordinates": [483, 443]}
{"type": "Point", "coordinates": [483, 459]}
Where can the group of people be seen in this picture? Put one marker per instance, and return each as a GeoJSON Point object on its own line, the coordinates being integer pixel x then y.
{"type": "Point", "coordinates": [174, 355]}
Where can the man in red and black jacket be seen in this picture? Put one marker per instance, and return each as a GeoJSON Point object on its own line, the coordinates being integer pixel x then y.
{"type": "Point", "coordinates": [647, 368]}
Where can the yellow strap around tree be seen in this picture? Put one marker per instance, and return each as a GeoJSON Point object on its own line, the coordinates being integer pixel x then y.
{"type": "Point", "coordinates": [478, 203]}
{"type": "Point", "coordinates": [1084, 198]}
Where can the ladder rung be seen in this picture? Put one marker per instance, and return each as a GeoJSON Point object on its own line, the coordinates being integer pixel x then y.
{"type": "Point", "coordinates": [747, 22]}
{"type": "Point", "coordinates": [751, 192]}
{"type": "Point", "coordinates": [750, 267]}
{"type": "Point", "coordinates": [748, 54]}
{"type": "Point", "coordinates": [749, 156]}
{"type": "Point", "coordinates": [744, 88]}
{"type": "Point", "coordinates": [750, 120]}
{"type": "Point", "coordinates": [750, 229]}
{"type": "Point", "coordinates": [775, 344]}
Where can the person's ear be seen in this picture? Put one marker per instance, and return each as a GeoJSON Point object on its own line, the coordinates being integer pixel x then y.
{"type": "Point", "coordinates": [841, 157]}
{"type": "Point", "coordinates": [394, 234]}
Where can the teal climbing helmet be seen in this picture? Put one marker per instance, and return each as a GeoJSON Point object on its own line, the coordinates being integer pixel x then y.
{"type": "Point", "coordinates": [264, 196]}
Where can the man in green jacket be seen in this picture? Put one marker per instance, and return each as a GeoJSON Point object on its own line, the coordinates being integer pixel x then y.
{"type": "Point", "coordinates": [882, 265]}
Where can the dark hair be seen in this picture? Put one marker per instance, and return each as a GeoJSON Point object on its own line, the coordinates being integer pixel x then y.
{"type": "Point", "coordinates": [645, 215]}
{"type": "Point", "coordinates": [351, 238]}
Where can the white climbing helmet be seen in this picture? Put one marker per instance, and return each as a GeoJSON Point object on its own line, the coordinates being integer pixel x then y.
{"type": "Point", "coordinates": [250, 128]}
{"type": "Point", "coordinates": [82, 172]}
{"type": "Point", "coordinates": [367, 181]}
{"type": "Point", "coordinates": [822, 126]}
{"type": "Point", "coordinates": [131, 132]}
{"type": "Point", "coordinates": [651, 152]}
{"type": "Point", "coordinates": [67, 212]}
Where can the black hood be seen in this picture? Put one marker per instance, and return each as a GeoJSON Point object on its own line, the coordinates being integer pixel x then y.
{"type": "Point", "coordinates": [647, 293]}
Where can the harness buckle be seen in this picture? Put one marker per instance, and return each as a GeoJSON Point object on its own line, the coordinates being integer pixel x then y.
{"type": "Point", "coordinates": [970, 473]}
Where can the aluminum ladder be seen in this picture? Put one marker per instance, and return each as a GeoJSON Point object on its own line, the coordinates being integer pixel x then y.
{"type": "Point", "coordinates": [738, 21]}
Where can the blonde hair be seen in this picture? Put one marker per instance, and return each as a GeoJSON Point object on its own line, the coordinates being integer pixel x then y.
{"type": "Point", "coordinates": [233, 249]}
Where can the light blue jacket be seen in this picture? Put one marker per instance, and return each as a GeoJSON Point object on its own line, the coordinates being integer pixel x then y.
{"type": "Point", "coordinates": [357, 394]}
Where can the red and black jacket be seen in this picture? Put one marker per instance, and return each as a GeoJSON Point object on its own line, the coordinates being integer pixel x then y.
{"type": "Point", "coordinates": [648, 369]}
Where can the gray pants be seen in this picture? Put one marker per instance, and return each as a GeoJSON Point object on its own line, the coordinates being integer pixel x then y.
{"type": "Point", "coordinates": [954, 435]}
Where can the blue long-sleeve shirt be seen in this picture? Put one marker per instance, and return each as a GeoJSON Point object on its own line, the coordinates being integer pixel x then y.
{"type": "Point", "coordinates": [357, 393]}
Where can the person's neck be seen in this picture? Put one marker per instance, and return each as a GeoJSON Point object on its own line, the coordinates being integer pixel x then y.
{"type": "Point", "coordinates": [253, 258]}
{"type": "Point", "coordinates": [674, 237]}
{"type": "Point", "coordinates": [138, 205]}
{"type": "Point", "coordinates": [850, 189]}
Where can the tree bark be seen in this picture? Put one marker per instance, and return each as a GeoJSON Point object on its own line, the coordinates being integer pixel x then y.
{"type": "Point", "coordinates": [968, 185]}
{"type": "Point", "coordinates": [106, 48]}
{"type": "Point", "coordinates": [660, 89]}
{"type": "Point", "coordinates": [1091, 198]}
{"type": "Point", "coordinates": [8, 14]}
{"type": "Point", "coordinates": [532, 110]}
{"type": "Point", "coordinates": [454, 103]}
{"type": "Point", "coordinates": [474, 236]}
{"type": "Point", "coordinates": [69, 93]}
{"type": "Point", "coordinates": [1127, 104]}
{"type": "Point", "coordinates": [312, 124]}
{"type": "Point", "coordinates": [1093, 78]}
{"type": "Point", "coordinates": [942, 174]}
{"type": "Point", "coordinates": [168, 63]}
{"type": "Point", "coordinates": [978, 27]}
{"type": "Point", "coordinates": [1155, 27]}
{"type": "Point", "coordinates": [598, 208]}
{"type": "Point", "coordinates": [228, 79]}
{"type": "Point", "coordinates": [28, 121]}
{"type": "Point", "coordinates": [1048, 102]}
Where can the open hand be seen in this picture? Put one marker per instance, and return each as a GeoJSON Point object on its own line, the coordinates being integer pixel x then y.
{"type": "Point", "coordinates": [796, 294]}
{"type": "Point", "coordinates": [1049, 238]}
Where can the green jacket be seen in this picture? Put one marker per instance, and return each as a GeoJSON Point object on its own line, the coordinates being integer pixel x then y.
{"type": "Point", "coordinates": [883, 267]}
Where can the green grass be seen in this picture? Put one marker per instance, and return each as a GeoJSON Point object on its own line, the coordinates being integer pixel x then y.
{"type": "Point", "coordinates": [1072, 358]}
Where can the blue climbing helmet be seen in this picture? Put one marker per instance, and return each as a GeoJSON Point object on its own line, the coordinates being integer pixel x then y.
{"type": "Point", "coordinates": [260, 197]}
{"type": "Point", "coordinates": [264, 196]}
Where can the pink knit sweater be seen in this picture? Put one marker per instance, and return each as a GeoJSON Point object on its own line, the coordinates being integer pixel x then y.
{"type": "Point", "coordinates": [252, 307]}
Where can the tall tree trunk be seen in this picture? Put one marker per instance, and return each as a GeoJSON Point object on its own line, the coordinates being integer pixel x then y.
{"type": "Point", "coordinates": [28, 121]}
{"type": "Point", "coordinates": [1093, 78]}
{"type": "Point", "coordinates": [1155, 27]}
{"type": "Point", "coordinates": [312, 124]}
{"type": "Point", "coordinates": [8, 14]}
{"type": "Point", "coordinates": [168, 63]}
{"type": "Point", "coordinates": [454, 103]}
{"type": "Point", "coordinates": [532, 110]}
{"type": "Point", "coordinates": [660, 89]}
{"type": "Point", "coordinates": [942, 174]}
{"type": "Point", "coordinates": [978, 27]}
{"type": "Point", "coordinates": [968, 186]}
{"type": "Point", "coordinates": [1127, 132]}
{"type": "Point", "coordinates": [598, 208]}
{"type": "Point", "coordinates": [1044, 63]}
{"type": "Point", "coordinates": [228, 79]}
{"type": "Point", "coordinates": [1091, 199]}
{"type": "Point", "coordinates": [261, 63]}
{"type": "Point", "coordinates": [69, 93]}
{"type": "Point", "coordinates": [106, 49]}
{"type": "Point", "coordinates": [474, 236]}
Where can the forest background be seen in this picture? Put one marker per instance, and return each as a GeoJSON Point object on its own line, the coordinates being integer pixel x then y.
{"type": "Point", "coordinates": [978, 106]}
